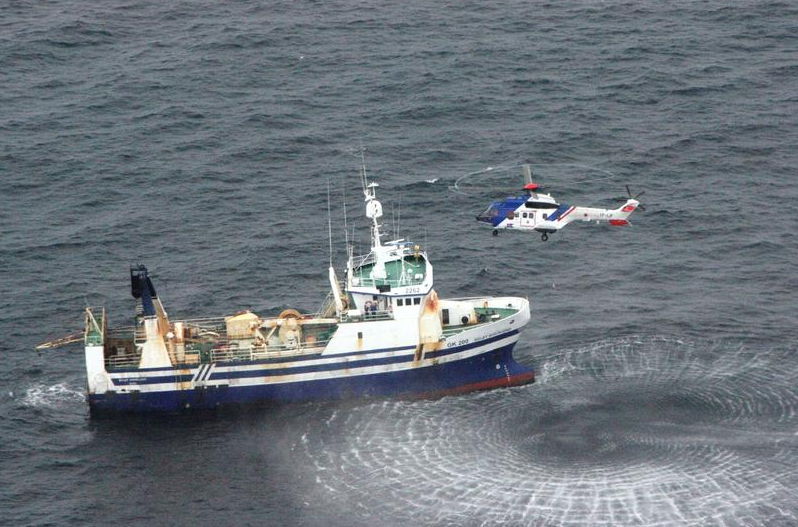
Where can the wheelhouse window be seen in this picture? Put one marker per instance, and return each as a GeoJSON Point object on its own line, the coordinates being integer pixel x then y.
{"type": "Point", "coordinates": [399, 302]}
{"type": "Point", "coordinates": [417, 300]}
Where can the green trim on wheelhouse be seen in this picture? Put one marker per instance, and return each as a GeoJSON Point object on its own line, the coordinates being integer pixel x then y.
{"type": "Point", "coordinates": [412, 266]}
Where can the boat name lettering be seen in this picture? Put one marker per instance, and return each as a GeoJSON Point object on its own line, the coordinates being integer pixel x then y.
{"type": "Point", "coordinates": [489, 335]}
{"type": "Point", "coordinates": [463, 342]}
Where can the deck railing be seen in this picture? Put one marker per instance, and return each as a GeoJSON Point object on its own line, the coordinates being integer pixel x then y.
{"type": "Point", "coordinates": [368, 317]}
{"type": "Point", "coordinates": [362, 281]}
{"type": "Point", "coordinates": [122, 361]}
{"type": "Point", "coordinates": [194, 354]}
{"type": "Point", "coordinates": [234, 353]}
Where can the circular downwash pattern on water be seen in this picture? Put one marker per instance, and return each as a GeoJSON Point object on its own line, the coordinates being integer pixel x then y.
{"type": "Point", "coordinates": [653, 431]}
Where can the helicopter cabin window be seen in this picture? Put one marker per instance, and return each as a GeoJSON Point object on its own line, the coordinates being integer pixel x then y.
{"type": "Point", "coordinates": [545, 216]}
{"type": "Point", "coordinates": [540, 205]}
{"type": "Point", "coordinates": [417, 300]}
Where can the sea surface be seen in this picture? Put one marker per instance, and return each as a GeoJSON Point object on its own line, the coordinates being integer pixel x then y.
{"type": "Point", "coordinates": [200, 138]}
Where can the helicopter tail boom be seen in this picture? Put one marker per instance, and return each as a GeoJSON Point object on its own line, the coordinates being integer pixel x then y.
{"type": "Point", "coordinates": [616, 217]}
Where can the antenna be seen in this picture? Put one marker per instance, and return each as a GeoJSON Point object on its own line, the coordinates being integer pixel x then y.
{"type": "Point", "coordinates": [398, 218]}
{"type": "Point", "coordinates": [364, 178]}
{"type": "Point", "coordinates": [346, 228]}
{"type": "Point", "coordinates": [329, 220]}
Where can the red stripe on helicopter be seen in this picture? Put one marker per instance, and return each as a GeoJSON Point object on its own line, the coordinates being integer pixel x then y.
{"type": "Point", "coordinates": [566, 213]}
{"type": "Point", "coordinates": [629, 208]}
{"type": "Point", "coordinates": [619, 223]}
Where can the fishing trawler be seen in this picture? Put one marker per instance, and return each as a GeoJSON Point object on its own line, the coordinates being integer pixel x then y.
{"type": "Point", "coordinates": [381, 332]}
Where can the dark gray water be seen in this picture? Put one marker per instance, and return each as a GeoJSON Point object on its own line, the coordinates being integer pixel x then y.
{"type": "Point", "coordinates": [198, 138]}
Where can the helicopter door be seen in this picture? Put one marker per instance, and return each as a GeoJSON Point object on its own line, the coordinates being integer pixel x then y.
{"type": "Point", "coordinates": [528, 219]}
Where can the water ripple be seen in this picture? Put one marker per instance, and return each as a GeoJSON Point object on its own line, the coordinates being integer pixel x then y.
{"type": "Point", "coordinates": [635, 431]}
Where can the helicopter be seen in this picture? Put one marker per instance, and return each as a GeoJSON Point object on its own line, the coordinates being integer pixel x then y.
{"type": "Point", "coordinates": [540, 212]}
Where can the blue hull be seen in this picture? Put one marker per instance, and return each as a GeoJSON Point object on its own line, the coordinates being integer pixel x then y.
{"type": "Point", "coordinates": [475, 373]}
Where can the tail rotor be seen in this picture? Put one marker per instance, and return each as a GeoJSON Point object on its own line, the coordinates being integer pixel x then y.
{"type": "Point", "coordinates": [636, 197]}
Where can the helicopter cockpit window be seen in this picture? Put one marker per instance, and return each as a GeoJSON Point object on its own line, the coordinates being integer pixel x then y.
{"type": "Point", "coordinates": [490, 213]}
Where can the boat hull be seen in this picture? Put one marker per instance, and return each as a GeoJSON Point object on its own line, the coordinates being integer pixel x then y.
{"type": "Point", "coordinates": [478, 366]}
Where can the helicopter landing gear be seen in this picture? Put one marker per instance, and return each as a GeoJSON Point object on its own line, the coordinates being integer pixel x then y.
{"type": "Point", "coordinates": [495, 232]}
{"type": "Point", "coordinates": [544, 236]}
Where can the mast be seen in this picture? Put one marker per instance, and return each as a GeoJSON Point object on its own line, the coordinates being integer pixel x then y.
{"type": "Point", "coordinates": [386, 268]}
{"type": "Point", "coordinates": [373, 207]}
{"type": "Point", "coordinates": [156, 324]}
{"type": "Point", "coordinates": [374, 213]}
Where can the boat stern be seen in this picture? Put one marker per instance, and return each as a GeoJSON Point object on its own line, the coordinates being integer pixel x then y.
{"type": "Point", "coordinates": [98, 379]}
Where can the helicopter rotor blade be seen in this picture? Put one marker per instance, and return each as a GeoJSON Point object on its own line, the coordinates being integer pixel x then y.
{"type": "Point", "coordinates": [527, 170]}
{"type": "Point", "coordinates": [631, 196]}
{"type": "Point", "coordinates": [637, 197]}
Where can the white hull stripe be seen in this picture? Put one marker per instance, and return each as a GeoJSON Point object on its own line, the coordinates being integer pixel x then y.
{"type": "Point", "coordinates": [343, 373]}
{"type": "Point", "coordinates": [480, 333]}
{"type": "Point", "coordinates": [334, 359]}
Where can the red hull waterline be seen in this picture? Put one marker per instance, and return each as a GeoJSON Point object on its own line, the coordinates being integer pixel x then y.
{"type": "Point", "coordinates": [504, 382]}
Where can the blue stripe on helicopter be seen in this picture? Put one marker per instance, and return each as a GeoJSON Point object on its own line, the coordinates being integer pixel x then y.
{"type": "Point", "coordinates": [554, 216]}
{"type": "Point", "coordinates": [503, 207]}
